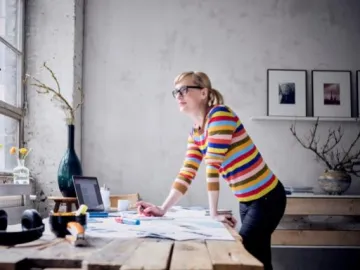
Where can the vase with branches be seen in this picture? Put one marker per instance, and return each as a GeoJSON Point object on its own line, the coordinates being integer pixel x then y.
{"type": "Point", "coordinates": [69, 164]}
{"type": "Point", "coordinates": [341, 163]}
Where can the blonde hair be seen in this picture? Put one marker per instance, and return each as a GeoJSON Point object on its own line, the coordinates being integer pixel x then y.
{"type": "Point", "coordinates": [202, 80]}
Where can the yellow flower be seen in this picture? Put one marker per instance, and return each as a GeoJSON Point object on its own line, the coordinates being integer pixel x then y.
{"type": "Point", "coordinates": [23, 151]}
{"type": "Point", "coordinates": [13, 150]}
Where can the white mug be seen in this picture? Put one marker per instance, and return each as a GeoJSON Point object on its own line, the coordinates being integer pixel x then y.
{"type": "Point", "coordinates": [123, 205]}
{"type": "Point", "coordinates": [105, 196]}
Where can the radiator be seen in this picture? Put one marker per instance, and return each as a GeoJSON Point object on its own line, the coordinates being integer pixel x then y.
{"type": "Point", "coordinates": [11, 201]}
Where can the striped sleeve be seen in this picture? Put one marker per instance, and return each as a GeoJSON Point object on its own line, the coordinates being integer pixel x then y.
{"type": "Point", "coordinates": [221, 127]}
{"type": "Point", "coordinates": [190, 166]}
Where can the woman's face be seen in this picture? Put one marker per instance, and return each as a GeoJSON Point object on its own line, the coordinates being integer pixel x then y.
{"type": "Point", "coordinates": [188, 95]}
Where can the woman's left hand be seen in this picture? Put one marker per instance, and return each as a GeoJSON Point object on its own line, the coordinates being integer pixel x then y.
{"type": "Point", "coordinates": [227, 219]}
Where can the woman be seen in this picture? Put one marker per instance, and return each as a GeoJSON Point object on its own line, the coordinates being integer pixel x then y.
{"type": "Point", "coordinates": [219, 138]}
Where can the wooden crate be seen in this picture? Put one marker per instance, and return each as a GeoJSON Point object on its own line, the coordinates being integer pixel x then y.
{"type": "Point", "coordinates": [319, 205]}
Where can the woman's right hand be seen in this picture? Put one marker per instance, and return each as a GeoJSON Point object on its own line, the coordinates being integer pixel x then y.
{"type": "Point", "coordinates": [148, 209]}
{"type": "Point", "coordinates": [227, 219]}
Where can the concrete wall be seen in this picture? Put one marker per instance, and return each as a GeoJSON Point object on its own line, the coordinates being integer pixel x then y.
{"type": "Point", "coordinates": [54, 34]}
{"type": "Point", "coordinates": [134, 137]}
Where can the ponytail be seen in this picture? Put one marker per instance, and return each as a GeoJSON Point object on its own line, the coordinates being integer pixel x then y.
{"type": "Point", "coordinates": [215, 98]}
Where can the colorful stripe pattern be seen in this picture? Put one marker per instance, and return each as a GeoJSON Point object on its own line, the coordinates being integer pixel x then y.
{"type": "Point", "coordinates": [228, 151]}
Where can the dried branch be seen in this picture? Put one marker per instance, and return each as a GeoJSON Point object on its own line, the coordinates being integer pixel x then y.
{"type": "Point", "coordinates": [57, 96]}
{"type": "Point", "coordinates": [334, 158]}
{"type": "Point", "coordinates": [346, 156]}
{"type": "Point", "coordinates": [313, 144]}
{"type": "Point", "coordinates": [53, 76]}
{"type": "Point", "coordinates": [313, 132]}
{"type": "Point", "coordinates": [333, 140]}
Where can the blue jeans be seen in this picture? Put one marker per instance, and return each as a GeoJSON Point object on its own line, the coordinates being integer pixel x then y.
{"type": "Point", "coordinates": [259, 219]}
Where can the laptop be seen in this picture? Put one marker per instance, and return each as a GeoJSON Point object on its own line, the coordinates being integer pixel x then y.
{"type": "Point", "coordinates": [88, 192]}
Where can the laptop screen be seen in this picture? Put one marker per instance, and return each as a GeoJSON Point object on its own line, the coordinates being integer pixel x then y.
{"type": "Point", "coordinates": [88, 192]}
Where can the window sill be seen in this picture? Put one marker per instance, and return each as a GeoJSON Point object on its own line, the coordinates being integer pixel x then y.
{"type": "Point", "coordinates": [7, 178]}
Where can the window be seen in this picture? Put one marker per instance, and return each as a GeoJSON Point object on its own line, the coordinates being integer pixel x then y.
{"type": "Point", "coordinates": [11, 78]}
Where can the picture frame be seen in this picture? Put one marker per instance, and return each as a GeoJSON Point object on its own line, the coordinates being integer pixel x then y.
{"type": "Point", "coordinates": [332, 93]}
{"type": "Point", "coordinates": [286, 92]}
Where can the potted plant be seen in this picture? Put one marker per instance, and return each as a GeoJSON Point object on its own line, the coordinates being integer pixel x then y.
{"type": "Point", "coordinates": [69, 164]}
{"type": "Point", "coordinates": [340, 163]}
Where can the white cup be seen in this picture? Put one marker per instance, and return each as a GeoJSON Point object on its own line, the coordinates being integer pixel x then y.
{"type": "Point", "coordinates": [105, 196]}
{"type": "Point", "coordinates": [123, 205]}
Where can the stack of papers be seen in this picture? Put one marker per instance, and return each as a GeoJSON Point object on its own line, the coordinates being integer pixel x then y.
{"type": "Point", "coordinates": [179, 224]}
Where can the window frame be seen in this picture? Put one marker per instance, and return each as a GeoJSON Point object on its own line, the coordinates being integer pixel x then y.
{"type": "Point", "coordinates": [9, 110]}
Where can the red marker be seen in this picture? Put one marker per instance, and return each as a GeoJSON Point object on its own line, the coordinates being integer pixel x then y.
{"type": "Point", "coordinates": [128, 221]}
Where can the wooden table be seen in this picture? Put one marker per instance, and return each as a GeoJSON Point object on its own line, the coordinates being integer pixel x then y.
{"type": "Point", "coordinates": [136, 253]}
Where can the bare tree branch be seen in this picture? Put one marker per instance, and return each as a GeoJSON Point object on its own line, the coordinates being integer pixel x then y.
{"type": "Point", "coordinates": [57, 96]}
{"type": "Point", "coordinates": [331, 152]}
{"type": "Point", "coordinates": [349, 150]}
{"type": "Point", "coordinates": [311, 145]}
{"type": "Point", "coordinates": [53, 76]}
{"type": "Point", "coordinates": [333, 140]}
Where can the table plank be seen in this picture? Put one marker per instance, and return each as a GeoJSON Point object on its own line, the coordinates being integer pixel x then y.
{"type": "Point", "coordinates": [61, 269]}
{"type": "Point", "coordinates": [11, 261]}
{"type": "Point", "coordinates": [228, 255]}
{"type": "Point", "coordinates": [233, 233]}
{"type": "Point", "coordinates": [44, 242]}
{"type": "Point", "coordinates": [113, 255]}
{"type": "Point", "coordinates": [150, 255]}
{"type": "Point", "coordinates": [65, 254]}
{"type": "Point", "coordinates": [190, 255]}
{"type": "Point", "coordinates": [15, 258]}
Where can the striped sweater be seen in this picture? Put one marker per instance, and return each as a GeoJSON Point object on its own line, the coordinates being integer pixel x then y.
{"type": "Point", "coordinates": [228, 151]}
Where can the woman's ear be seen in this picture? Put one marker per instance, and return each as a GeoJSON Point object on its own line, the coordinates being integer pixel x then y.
{"type": "Point", "coordinates": [205, 93]}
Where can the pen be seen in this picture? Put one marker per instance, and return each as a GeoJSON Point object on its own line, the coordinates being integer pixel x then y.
{"type": "Point", "coordinates": [128, 221]}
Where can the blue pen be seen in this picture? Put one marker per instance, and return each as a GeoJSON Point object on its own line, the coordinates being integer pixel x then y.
{"type": "Point", "coordinates": [128, 221]}
{"type": "Point", "coordinates": [99, 214]}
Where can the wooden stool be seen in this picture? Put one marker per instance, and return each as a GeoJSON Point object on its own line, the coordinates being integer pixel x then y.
{"type": "Point", "coordinates": [67, 200]}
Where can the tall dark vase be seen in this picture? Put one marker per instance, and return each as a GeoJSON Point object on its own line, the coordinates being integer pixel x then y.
{"type": "Point", "coordinates": [69, 165]}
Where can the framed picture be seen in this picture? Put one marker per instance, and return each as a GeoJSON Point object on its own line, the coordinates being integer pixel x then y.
{"type": "Point", "coordinates": [286, 92]}
{"type": "Point", "coordinates": [332, 93]}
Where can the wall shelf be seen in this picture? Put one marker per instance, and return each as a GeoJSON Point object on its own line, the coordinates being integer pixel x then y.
{"type": "Point", "coordinates": [299, 118]}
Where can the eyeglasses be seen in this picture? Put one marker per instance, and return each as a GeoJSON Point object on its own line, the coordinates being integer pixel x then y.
{"type": "Point", "coordinates": [183, 90]}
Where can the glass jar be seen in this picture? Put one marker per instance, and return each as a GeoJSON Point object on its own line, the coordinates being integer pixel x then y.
{"type": "Point", "coordinates": [21, 173]}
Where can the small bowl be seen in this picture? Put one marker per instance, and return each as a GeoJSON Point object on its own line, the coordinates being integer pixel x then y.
{"type": "Point", "coordinates": [58, 222]}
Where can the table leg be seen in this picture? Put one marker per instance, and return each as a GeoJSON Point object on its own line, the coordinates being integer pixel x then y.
{"type": "Point", "coordinates": [56, 207]}
{"type": "Point", "coordinates": [68, 207]}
